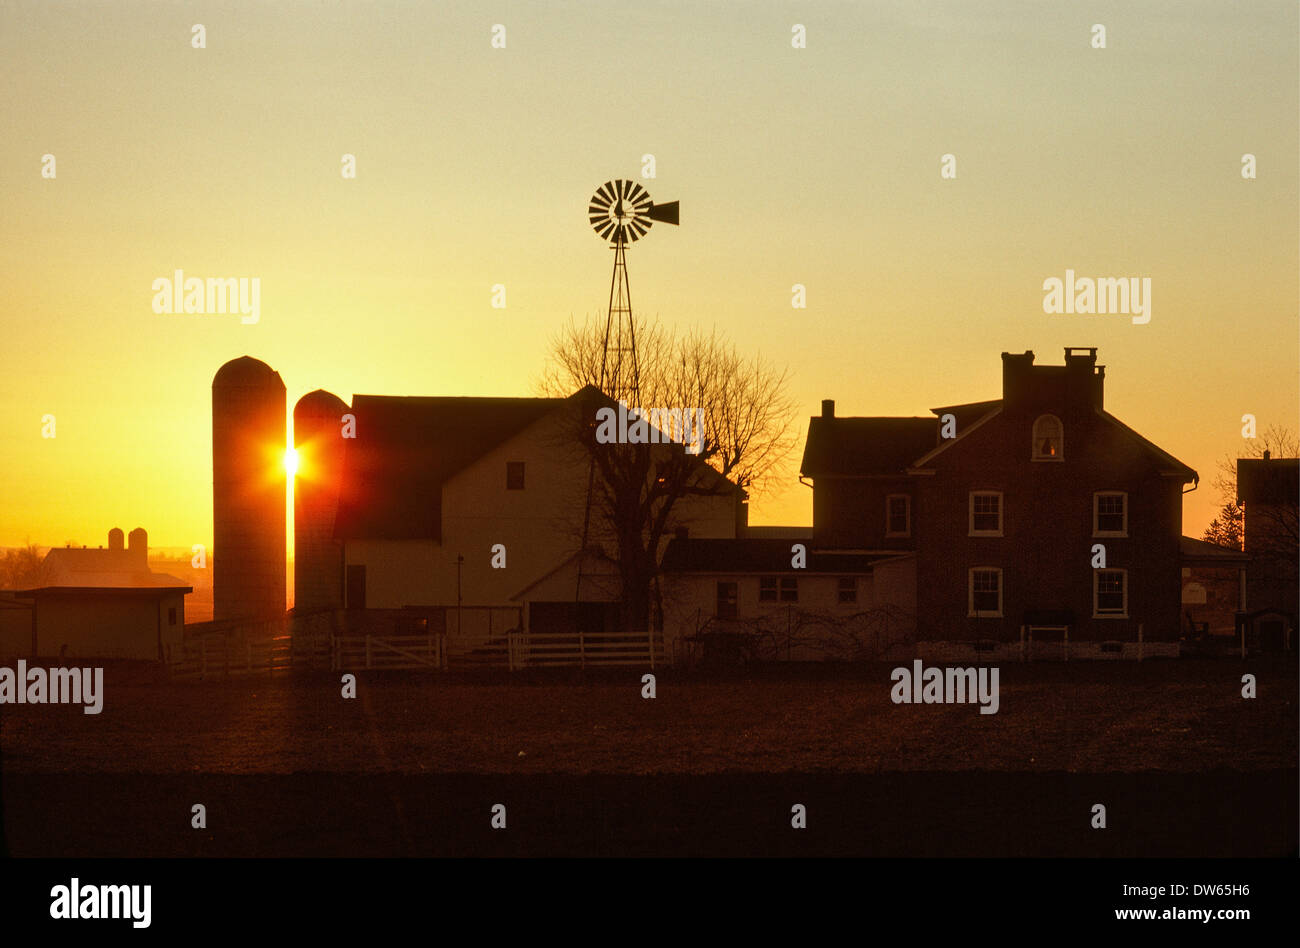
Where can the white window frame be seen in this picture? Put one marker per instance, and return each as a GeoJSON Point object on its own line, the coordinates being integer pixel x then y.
{"type": "Point", "coordinates": [1096, 588]}
{"type": "Point", "coordinates": [1033, 440]}
{"type": "Point", "coordinates": [907, 499]}
{"type": "Point", "coordinates": [1096, 513]}
{"type": "Point", "coordinates": [970, 509]}
{"type": "Point", "coordinates": [970, 592]}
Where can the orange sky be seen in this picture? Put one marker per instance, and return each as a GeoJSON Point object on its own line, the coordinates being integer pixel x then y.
{"type": "Point", "coordinates": [817, 166]}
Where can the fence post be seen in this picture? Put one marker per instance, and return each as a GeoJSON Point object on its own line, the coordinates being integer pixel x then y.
{"type": "Point", "coordinates": [367, 649]}
{"type": "Point", "coordinates": [1139, 641]}
{"type": "Point", "coordinates": [1067, 643]}
{"type": "Point", "coordinates": [1022, 643]}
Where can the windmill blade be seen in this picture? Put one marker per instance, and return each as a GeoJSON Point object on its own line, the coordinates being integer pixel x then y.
{"type": "Point", "coordinates": [640, 227]}
{"type": "Point", "coordinates": [667, 213]}
{"type": "Point", "coordinates": [606, 191]}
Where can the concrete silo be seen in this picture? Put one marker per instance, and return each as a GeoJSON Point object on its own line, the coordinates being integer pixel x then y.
{"type": "Point", "coordinates": [248, 491]}
{"type": "Point", "coordinates": [318, 557]}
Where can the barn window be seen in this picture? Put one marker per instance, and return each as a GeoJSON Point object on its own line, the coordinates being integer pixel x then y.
{"type": "Point", "coordinates": [726, 608]}
{"type": "Point", "coordinates": [1110, 513]}
{"type": "Point", "coordinates": [848, 591]}
{"type": "Point", "coordinates": [985, 592]}
{"type": "Point", "coordinates": [514, 475]}
{"type": "Point", "coordinates": [898, 515]}
{"type": "Point", "coordinates": [789, 589]}
{"type": "Point", "coordinates": [767, 589]}
{"type": "Point", "coordinates": [1048, 439]}
{"type": "Point", "coordinates": [1110, 593]}
{"type": "Point", "coordinates": [985, 513]}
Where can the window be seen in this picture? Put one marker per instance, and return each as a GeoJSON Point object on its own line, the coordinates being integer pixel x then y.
{"type": "Point", "coordinates": [985, 513]}
{"type": "Point", "coordinates": [898, 515]}
{"type": "Point", "coordinates": [514, 475]}
{"type": "Point", "coordinates": [171, 615]}
{"type": "Point", "coordinates": [1048, 439]}
{"type": "Point", "coordinates": [767, 589]}
{"type": "Point", "coordinates": [789, 589]}
{"type": "Point", "coordinates": [1110, 513]}
{"type": "Point", "coordinates": [726, 601]}
{"type": "Point", "coordinates": [985, 592]}
{"type": "Point", "coordinates": [848, 591]}
{"type": "Point", "coordinates": [1110, 593]}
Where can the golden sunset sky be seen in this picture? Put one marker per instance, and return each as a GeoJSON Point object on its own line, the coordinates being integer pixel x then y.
{"type": "Point", "coordinates": [817, 166]}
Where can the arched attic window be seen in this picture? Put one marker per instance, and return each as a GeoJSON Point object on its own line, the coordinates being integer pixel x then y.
{"type": "Point", "coordinates": [1048, 439]}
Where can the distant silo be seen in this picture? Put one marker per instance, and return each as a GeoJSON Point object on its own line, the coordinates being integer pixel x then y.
{"type": "Point", "coordinates": [248, 491]}
{"type": "Point", "coordinates": [317, 557]}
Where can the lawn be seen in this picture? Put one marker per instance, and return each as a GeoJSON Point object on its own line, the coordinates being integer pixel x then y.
{"type": "Point", "coordinates": [1179, 716]}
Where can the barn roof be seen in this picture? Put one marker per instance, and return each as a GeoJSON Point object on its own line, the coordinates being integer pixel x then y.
{"type": "Point", "coordinates": [406, 448]}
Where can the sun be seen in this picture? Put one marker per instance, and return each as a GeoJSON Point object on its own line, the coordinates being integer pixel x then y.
{"type": "Point", "coordinates": [291, 461]}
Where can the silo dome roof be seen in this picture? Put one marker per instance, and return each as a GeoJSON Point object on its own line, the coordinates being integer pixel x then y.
{"type": "Point", "coordinates": [319, 402]}
{"type": "Point", "coordinates": [246, 372]}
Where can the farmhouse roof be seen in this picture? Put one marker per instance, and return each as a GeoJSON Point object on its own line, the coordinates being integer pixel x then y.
{"type": "Point", "coordinates": [863, 446]}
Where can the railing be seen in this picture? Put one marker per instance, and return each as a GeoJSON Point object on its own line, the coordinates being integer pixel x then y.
{"type": "Point", "coordinates": [388, 651]}
{"type": "Point", "coordinates": [222, 656]}
{"type": "Point", "coordinates": [548, 649]}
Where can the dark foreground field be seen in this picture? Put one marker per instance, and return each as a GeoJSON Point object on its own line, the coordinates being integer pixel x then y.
{"type": "Point", "coordinates": [585, 765]}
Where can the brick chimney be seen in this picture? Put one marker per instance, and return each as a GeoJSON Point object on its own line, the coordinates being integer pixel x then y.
{"type": "Point", "coordinates": [828, 408]}
{"type": "Point", "coordinates": [1016, 373]}
{"type": "Point", "coordinates": [1084, 377]}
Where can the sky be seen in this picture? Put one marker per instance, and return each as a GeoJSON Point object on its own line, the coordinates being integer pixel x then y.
{"type": "Point", "coordinates": [817, 166]}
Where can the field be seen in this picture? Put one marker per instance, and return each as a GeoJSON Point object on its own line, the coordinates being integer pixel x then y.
{"type": "Point", "coordinates": [1171, 733]}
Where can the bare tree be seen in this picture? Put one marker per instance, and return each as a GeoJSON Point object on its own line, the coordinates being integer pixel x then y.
{"type": "Point", "coordinates": [638, 490]}
{"type": "Point", "coordinates": [20, 568]}
{"type": "Point", "coordinates": [1228, 528]}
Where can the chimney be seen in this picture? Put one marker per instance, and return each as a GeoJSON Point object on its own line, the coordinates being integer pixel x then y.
{"type": "Point", "coordinates": [1084, 375]}
{"type": "Point", "coordinates": [1268, 455]}
{"type": "Point", "coordinates": [115, 539]}
{"type": "Point", "coordinates": [1016, 371]}
{"type": "Point", "coordinates": [137, 544]}
{"type": "Point", "coordinates": [828, 408]}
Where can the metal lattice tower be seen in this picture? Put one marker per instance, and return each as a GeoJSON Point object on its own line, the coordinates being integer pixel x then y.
{"type": "Point", "coordinates": [621, 212]}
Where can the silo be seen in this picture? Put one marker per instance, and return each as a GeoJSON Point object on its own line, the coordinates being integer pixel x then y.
{"type": "Point", "coordinates": [318, 557]}
{"type": "Point", "coordinates": [248, 491]}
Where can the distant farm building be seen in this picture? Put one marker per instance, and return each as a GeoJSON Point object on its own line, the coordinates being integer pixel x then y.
{"type": "Point", "coordinates": [102, 603]}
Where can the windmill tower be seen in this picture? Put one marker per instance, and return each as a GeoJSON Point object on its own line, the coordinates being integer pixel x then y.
{"type": "Point", "coordinates": [621, 212]}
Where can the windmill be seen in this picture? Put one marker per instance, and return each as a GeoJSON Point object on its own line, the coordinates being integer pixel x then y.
{"type": "Point", "coordinates": [621, 212]}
